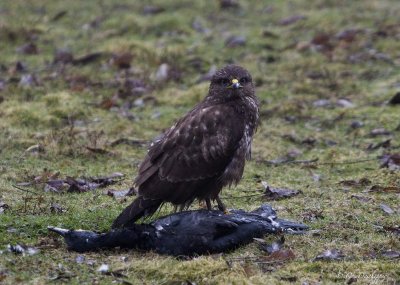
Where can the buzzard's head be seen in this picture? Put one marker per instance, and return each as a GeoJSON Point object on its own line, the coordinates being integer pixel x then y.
{"type": "Point", "coordinates": [231, 81]}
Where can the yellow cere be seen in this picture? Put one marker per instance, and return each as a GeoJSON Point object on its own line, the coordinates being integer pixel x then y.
{"type": "Point", "coordinates": [235, 81]}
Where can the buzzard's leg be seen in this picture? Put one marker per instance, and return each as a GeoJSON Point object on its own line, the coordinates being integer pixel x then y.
{"type": "Point", "coordinates": [221, 205]}
{"type": "Point", "coordinates": [208, 203]}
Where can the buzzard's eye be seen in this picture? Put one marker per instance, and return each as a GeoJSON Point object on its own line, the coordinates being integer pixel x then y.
{"type": "Point", "coordinates": [244, 80]}
{"type": "Point", "coordinates": [224, 81]}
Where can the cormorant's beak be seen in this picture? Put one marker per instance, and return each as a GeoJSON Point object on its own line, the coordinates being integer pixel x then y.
{"type": "Point", "coordinates": [236, 84]}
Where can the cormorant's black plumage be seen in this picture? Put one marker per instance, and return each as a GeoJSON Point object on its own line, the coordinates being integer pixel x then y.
{"type": "Point", "coordinates": [186, 233]}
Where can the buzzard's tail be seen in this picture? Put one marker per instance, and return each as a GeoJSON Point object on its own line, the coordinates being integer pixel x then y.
{"type": "Point", "coordinates": [140, 207]}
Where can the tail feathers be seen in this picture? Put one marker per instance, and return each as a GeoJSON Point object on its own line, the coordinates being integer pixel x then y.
{"type": "Point", "coordinates": [140, 207]}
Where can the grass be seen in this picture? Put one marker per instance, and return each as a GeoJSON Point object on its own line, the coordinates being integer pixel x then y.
{"type": "Point", "coordinates": [46, 126]}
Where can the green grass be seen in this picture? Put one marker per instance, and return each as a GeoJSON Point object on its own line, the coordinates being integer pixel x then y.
{"type": "Point", "coordinates": [62, 114]}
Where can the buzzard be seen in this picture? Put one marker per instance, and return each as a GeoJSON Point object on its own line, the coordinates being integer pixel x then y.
{"type": "Point", "coordinates": [203, 152]}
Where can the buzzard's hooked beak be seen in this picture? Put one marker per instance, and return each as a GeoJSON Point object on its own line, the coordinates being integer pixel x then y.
{"type": "Point", "coordinates": [236, 84]}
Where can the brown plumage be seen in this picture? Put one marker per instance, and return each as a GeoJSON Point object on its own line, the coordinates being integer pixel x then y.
{"type": "Point", "coordinates": [203, 152]}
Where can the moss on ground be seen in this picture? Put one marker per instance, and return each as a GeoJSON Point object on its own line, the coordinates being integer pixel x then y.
{"type": "Point", "coordinates": [52, 114]}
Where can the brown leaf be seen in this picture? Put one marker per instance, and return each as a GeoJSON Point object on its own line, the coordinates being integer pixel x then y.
{"type": "Point", "coordinates": [391, 254]}
{"type": "Point", "coordinates": [291, 20]}
{"type": "Point", "coordinates": [235, 41]}
{"type": "Point", "coordinates": [391, 161]}
{"type": "Point", "coordinates": [122, 60]}
{"type": "Point", "coordinates": [277, 193]}
{"type": "Point", "coordinates": [224, 4]}
{"type": "Point", "coordinates": [98, 150]}
{"type": "Point", "coordinates": [59, 15]}
{"type": "Point", "coordinates": [379, 132]}
{"type": "Point", "coordinates": [117, 193]}
{"type": "Point", "coordinates": [383, 144]}
{"type": "Point", "coordinates": [312, 215]}
{"type": "Point", "coordinates": [29, 48]}
{"type": "Point", "coordinates": [55, 185]}
{"type": "Point", "coordinates": [356, 183]}
{"type": "Point", "coordinates": [348, 35]}
{"type": "Point", "coordinates": [63, 56]}
{"type": "Point", "coordinates": [393, 229]}
{"type": "Point", "coordinates": [152, 10]}
{"type": "Point", "coordinates": [386, 209]}
{"type": "Point", "coordinates": [383, 189]}
{"type": "Point", "coordinates": [108, 180]}
{"type": "Point", "coordinates": [273, 247]}
{"type": "Point", "coordinates": [329, 254]}
{"type": "Point", "coordinates": [361, 198]}
{"type": "Point", "coordinates": [88, 58]}
{"type": "Point", "coordinates": [280, 255]}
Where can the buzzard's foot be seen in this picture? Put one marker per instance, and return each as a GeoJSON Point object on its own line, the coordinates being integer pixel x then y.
{"type": "Point", "coordinates": [205, 204]}
{"type": "Point", "coordinates": [221, 205]}
{"type": "Point", "coordinates": [208, 203]}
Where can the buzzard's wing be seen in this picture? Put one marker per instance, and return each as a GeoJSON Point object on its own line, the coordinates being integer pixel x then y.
{"type": "Point", "coordinates": [199, 146]}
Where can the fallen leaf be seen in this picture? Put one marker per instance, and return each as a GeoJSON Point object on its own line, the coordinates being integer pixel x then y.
{"type": "Point", "coordinates": [344, 103]}
{"type": "Point", "coordinates": [348, 35]}
{"type": "Point", "coordinates": [280, 255]}
{"type": "Point", "coordinates": [235, 41]}
{"type": "Point", "coordinates": [291, 20]}
{"type": "Point", "coordinates": [379, 132]}
{"type": "Point", "coordinates": [117, 193]}
{"type": "Point", "coordinates": [273, 247]}
{"type": "Point", "coordinates": [133, 142]}
{"type": "Point", "coordinates": [28, 81]}
{"type": "Point", "coordinates": [80, 259]}
{"type": "Point", "coordinates": [88, 58]}
{"type": "Point", "coordinates": [162, 73]}
{"type": "Point", "coordinates": [98, 150]}
{"type": "Point", "coordinates": [122, 60]}
{"type": "Point", "coordinates": [383, 189]}
{"type": "Point", "coordinates": [29, 48]}
{"type": "Point", "coordinates": [356, 124]}
{"type": "Point", "coordinates": [391, 161]}
{"type": "Point", "coordinates": [63, 56]}
{"type": "Point", "coordinates": [277, 193]}
{"type": "Point", "coordinates": [35, 148]}
{"type": "Point", "coordinates": [152, 10]}
{"type": "Point", "coordinates": [80, 185]}
{"type": "Point", "coordinates": [329, 254]}
{"type": "Point", "coordinates": [386, 209]}
{"type": "Point", "coordinates": [223, 4]}
{"type": "Point", "coordinates": [109, 179]}
{"type": "Point", "coordinates": [391, 254]}
{"type": "Point", "coordinates": [59, 15]}
{"type": "Point", "coordinates": [363, 199]}
{"type": "Point", "coordinates": [356, 183]}
{"type": "Point", "coordinates": [55, 185]}
{"type": "Point", "coordinates": [312, 215]}
{"type": "Point", "coordinates": [393, 229]}
{"type": "Point", "coordinates": [383, 144]}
